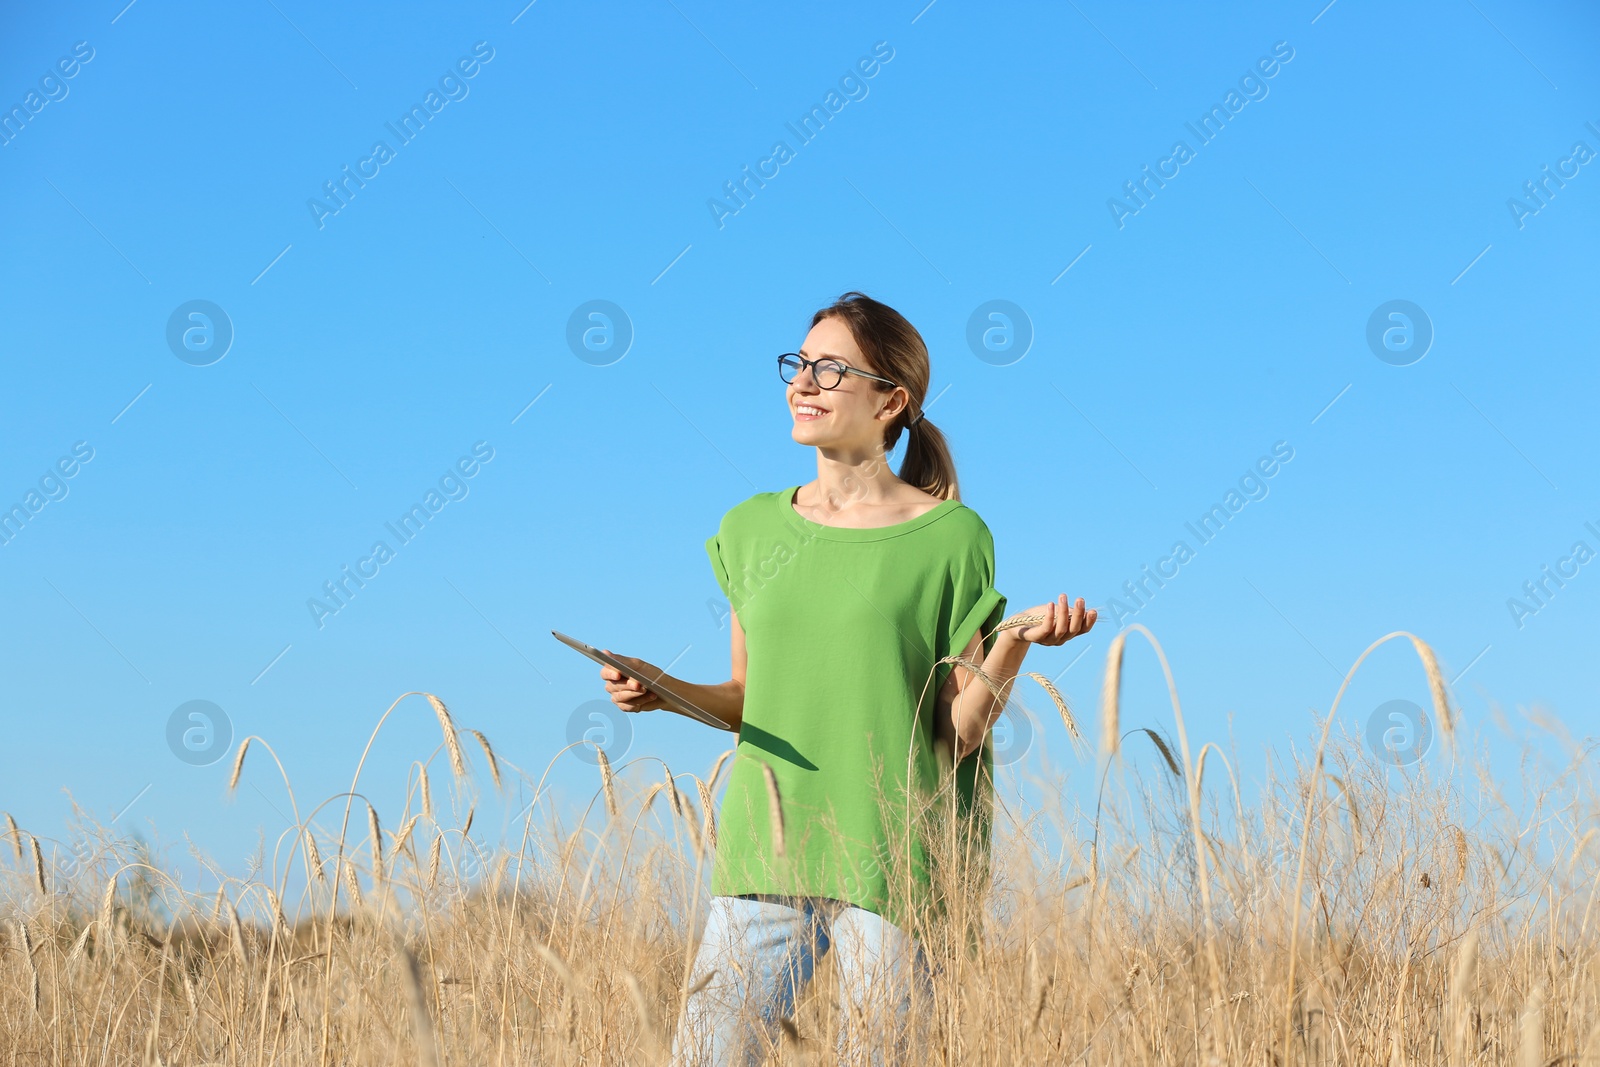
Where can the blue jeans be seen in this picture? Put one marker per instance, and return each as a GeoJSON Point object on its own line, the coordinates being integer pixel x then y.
{"type": "Point", "coordinates": [759, 951]}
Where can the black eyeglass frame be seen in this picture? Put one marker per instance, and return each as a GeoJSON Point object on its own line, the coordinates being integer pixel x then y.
{"type": "Point", "coordinates": [812, 363]}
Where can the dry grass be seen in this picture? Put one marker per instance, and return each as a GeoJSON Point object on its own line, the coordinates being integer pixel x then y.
{"type": "Point", "coordinates": [1351, 914]}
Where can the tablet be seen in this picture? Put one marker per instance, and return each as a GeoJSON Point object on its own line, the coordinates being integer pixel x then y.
{"type": "Point", "coordinates": [674, 700]}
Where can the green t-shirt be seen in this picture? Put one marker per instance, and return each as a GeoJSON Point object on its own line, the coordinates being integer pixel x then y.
{"type": "Point", "coordinates": [842, 630]}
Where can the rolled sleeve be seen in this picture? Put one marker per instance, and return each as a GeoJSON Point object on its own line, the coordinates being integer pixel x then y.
{"type": "Point", "coordinates": [975, 585]}
{"type": "Point", "coordinates": [985, 614]}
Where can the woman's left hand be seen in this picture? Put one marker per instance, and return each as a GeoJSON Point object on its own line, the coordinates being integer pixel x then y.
{"type": "Point", "coordinates": [1062, 622]}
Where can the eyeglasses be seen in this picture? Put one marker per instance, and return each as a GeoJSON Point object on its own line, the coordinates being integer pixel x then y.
{"type": "Point", "coordinates": [828, 373]}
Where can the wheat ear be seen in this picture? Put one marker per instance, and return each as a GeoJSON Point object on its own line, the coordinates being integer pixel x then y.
{"type": "Point", "coordinates": [417, 1002]}
{"type": "Point", "coordinates": [488, 754]}
{"type": "Point", "coordinates": [607, 781]}
{"type": "Point", "coordinates": [452, 743]}
{"type": "Point", "coordinates": [352, 885]}
{"type": "Point", "coordinates": [1461, 982]}
{"type": "Point", "coordinates": [716, 768]}
{"type": "Point", "coordinates": [774, 808]}
{"type": "Point", "coordinates": [108, 903]}
{"type": "Point", "coordinates": [1061, 705]}
{"type": "Point", "coordinates": [1441, 700]}
{"type": "Point", "coordinates": [375, 833]}
{"type": "Point", "coordinates": [1110, 698]}
{"type": "Point", "coordinates": [33, 968]}
{"type": "Point", "coordinates": [238, 765]}
{"type": "Point", "coordinates": [16, 837]}
{"type": "Point", "coordinates": [313, 857]}
{"type": "Point", "coordinates": [403, 838]}
{"type": "Point", "coordinates": [673, 795]}
{"type": "Point", "coordinates": [710, 813]}
{"type": "Point", "coordinates": [38, 865]}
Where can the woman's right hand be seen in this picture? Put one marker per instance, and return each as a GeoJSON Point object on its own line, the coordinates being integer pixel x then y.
{"type": "Point", "coordinates": [627, 693]}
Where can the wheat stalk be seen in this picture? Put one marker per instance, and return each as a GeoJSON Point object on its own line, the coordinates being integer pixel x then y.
{"type": "Point", "coordinates": [216, 905]}
{"type": "Point", "coordinates": [696, 842]}
{"type": "Point", "coordinates": [1165, 749]}
{"type": "Point", "coordinates": [705, 980]}
{"type": "Point", "coordinates": [235, 931]}
{"type": "Point", "coordinates": [774, 808]}
{"type": "Point", "coordinates": [556, 963]}
{"type": "Point", "coordinates": [488, 754]}
{"type": "Point", "coordinates": [716, 768]}
{"type": "Point", "coordinates": [427, 794]}
{"type": "Point", "coordinates": [16, 837]}
{"type": "Point", "coordinates": [570, 845]}
{"type": "Point", "coordinates": [1019, 620]}
{"type": "Point", "coordinates": [238, 765]}
{"type": "Point", "coordinates": [352, 885]}
{"type": "Point", "coordinates": [1035, 989]}
{"type": "Point", "coordinates": [33, 969]}
{"type": "Point", "coordinates": [403, 838]}
{"type": "Point", "coordinates": [1461, 982]}
{"type": "Point", "coordinates": [1110, 697]}
{"type": "Point", "coordinates": [280, 922]}
{"type": "Point", "coordinates": [710, 812]}
{"type": "Point", "coordinates": [38, 865]}
{"type": "Point", "coordinates": [1470, 963]}
{"type": "Point", "coordinates": [1530, 1044]}
{"type": "Point", "coordinates": [417, 1003]}
{"type": "Point", "coordinates": [107, 913]}
{"type": "Point", "coordinates": [1447, 728]}
{"type": "Point", "coordinates": [569, 988]}
{"type": "Point", "coordinates": [375, 835]}
{"type": "Point", "coordinates": [189, 991]}
{"type": "Point", "coordinates": [647, 1020]}
{"type": "Point", "coordinates": [313, 857]}
{"type": "Point", "coordinates": [1061, 705]}
{"type": "Point", "coordinates": [607, 781]}
{"type": "Point", "coordinates": [977, 669]}
{"type": "Point", "coordinates": [672, 791]}
{"type": "Point", "coordinates": [452, 743]}
{"type": "Point", "coordinates": [1441, 702]}
{"type": "Point", "coordinates": [1397, 1028]}
{"type": "Point", "coordinates": [77, 946]}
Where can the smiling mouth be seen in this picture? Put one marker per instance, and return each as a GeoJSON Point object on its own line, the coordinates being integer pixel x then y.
{"type": "Point", "coordinates": [807, 412]}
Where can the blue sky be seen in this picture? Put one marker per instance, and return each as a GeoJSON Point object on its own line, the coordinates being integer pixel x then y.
{"type": "Point", "coordinates": [983, 159]}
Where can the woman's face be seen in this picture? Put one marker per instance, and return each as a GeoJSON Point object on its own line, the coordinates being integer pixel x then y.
{"type": "Point", "coordinates": [850, 417]}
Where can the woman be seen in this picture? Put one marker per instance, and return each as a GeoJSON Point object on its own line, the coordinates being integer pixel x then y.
{"type": "Point", "coordinates": [845, 593]}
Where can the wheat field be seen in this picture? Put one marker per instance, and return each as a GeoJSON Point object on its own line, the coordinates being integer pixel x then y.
{"type": "Point", "coordinates": [1351, 913]}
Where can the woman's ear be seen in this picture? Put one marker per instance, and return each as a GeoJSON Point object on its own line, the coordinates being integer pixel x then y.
{"type": "Point", "coordinates": [889, 413]}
